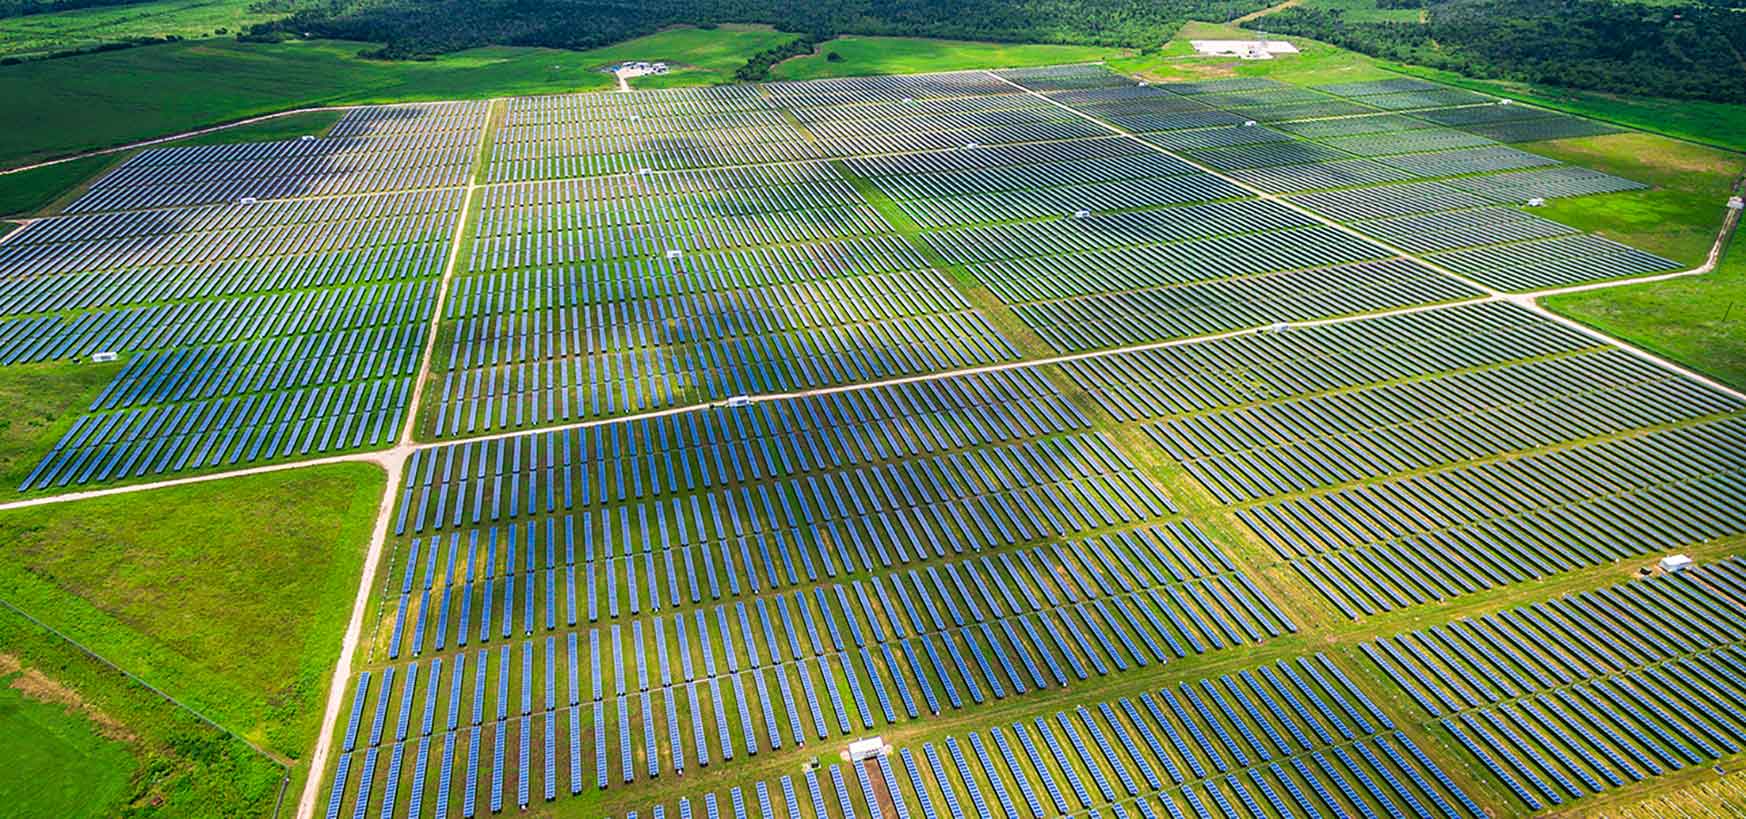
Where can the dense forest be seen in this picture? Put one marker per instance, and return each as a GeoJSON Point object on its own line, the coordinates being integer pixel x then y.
{"type": "Point", "coordinates": [412, 27]}
{"type": "Point", "coordinates": [1683, 49]}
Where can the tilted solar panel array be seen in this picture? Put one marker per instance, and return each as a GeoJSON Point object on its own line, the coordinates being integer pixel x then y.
{"type": "Point", "coordinates": [1588, 692]}
{"type": "Point", "coordinates": [1296, 737]}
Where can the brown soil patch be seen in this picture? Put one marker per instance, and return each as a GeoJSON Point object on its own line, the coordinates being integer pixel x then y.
{"type": "Point", "coordinates": [35, 685]}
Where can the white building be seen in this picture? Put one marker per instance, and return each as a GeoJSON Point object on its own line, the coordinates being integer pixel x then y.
{"type": "Point", "coordinates": [1246, 49]}
{"type": "Point", "coordinates": [869, 748]}
{"type": "Point", "coordinates": [1675, 563]}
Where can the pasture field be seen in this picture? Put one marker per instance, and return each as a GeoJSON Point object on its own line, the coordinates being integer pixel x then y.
{"type": "Point", "coordinates": [239, 621]}
{"type": "Point", "coordinates": [863, 56]}
{"type": "Point", "coordinates": [39, 34]}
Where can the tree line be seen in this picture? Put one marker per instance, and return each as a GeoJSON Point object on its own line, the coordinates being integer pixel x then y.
{"type": "Point", "coordinates": [1689, 50]}
{"type": "Point", "coordinates": [416, 27]}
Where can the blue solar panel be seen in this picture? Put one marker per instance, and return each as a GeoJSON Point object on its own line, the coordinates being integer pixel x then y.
{"type": "Point", "coordinates": [599, 728]}
{"type": "Point", "coordinates": [420, 769]}
{"type": "Point", "coordinates": [813, 791]}
{"type": "Point", "coordinates": [470, 792]}
{"type": "Point", "coordinates": [976, 800]}
{"type": "Point", "coordinates": [1060, 755]}
{"type": "Point", "coordinates": [1340, 782]}
{"type": "Point", "coordinates": [391, 788]}
{"type": "Point", "coordinates": [867, 793]}
{"type": "Point", "coordinates": [1039, 767]}
{"type": "Point", "coordinates": [626, 752]}
{"type": "Point", "coordinates": [697, 733]}
{"type": "Point", "coordinates": [789, 798]}
{"type": "Point", "coordinates": [445, 767]}
{"type": "Point", "coordinates": [1014, 769]}
{"type": "Point", "coordinates": [575, 720]}
{"type": "Point", "coordinates": [550, 757]}
{"type": "Point", "coordinates": [1206, 716]}
{"type": "Point", "coordinates": [364, 782]}
{"type": "Point", "coordinates": [917, 782]}
{"type": "Point", "coordinates": [498, 738]}
{"type": "Point", "coordinates": [362, 691]}
{"type": "Point", "coordinates": [339, 786]}
{"type": "Point", "coordinates": [746, 716]}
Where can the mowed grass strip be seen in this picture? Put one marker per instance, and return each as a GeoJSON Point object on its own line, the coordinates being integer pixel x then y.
{"type": "Point", "coordinates": [229, 595]}
{"type": "Point", "coordinates": [81, 739]}
{"type": "Point", "coordinates": [62, 758]}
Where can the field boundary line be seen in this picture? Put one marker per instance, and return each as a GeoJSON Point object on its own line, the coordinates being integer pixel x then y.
{"type": "Point", "coordinates": [162, 694]}
{"type": "Point", "coordinates": [147, 143]}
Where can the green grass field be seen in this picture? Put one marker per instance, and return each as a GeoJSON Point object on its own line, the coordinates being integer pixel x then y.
{"type": "Point", "coordinates": [908, 55]}
{"type": "Point", "coordinates": [81, 739]}
{"type": "Point", "coordinates": [697, 56]}
{"type": "Point", "coordinates": [38, 403]}
{"type": "Point", "coordinates": [82, 28]}
{"type": "Point", "coordinates": [59, 760]}
{"type": "Point", "coordinates": [228, 595]}
{"type": "Point", "coordinates": [1316, 62]}
{"type": "Point", "coordinates": [1677, 218]}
